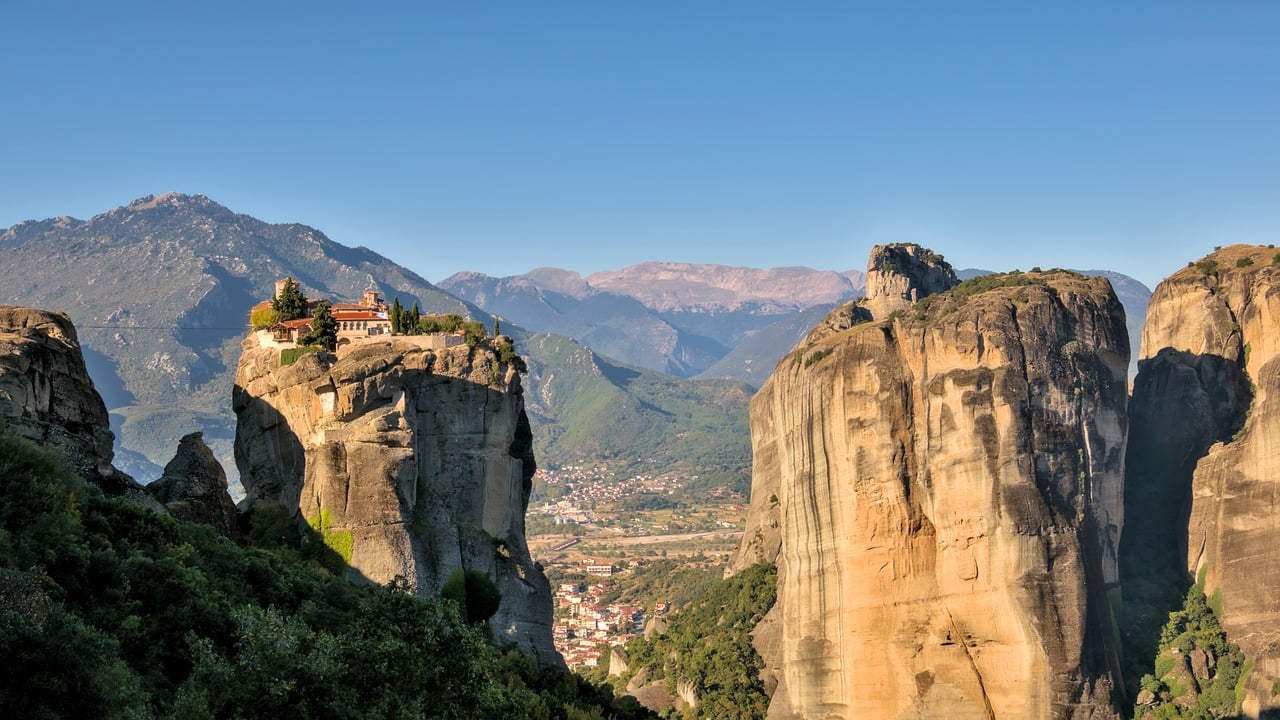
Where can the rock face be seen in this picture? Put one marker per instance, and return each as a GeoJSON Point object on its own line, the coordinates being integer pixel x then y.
{"type": "Point", "coordinates": [1206, 415]}
{"type": "Point", "coordinates": [194, 487]}
{"type": "Point", "coordinates": [409, 461]}
{"type": "Point", "coordinates": [941, 491]}
{"type": "Point", "coordinates": [46, 395]}
{"type": "Point", "coordinates": [899, 275]}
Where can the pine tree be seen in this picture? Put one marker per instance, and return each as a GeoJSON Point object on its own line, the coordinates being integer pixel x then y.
{"type": "Point", "coordinates": [324, 329]}
{"type": "Point", "coordinates": [289, 303]}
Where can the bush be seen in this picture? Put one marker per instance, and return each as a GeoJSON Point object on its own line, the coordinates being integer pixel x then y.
{"type": "Point", "coordinates": [263, 317]}
{"type": "Point", "coordinates": [1207, 267]}
{"type": "Point", "coordinates": [474, 592]}
{"type": "Point", "coordinates": [1244, 262]}
{"type": "Point", "coordinates": [289, 356]}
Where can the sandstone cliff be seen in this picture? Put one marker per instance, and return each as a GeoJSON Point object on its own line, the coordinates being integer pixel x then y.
{"type": "Point", "coordinates": [409, 461]}
{"type": "Point", "coordinates": [46, 395]}
{"type": "Point", "coordinates": [940, 488]}
{"type": "Point", "coordinates": [1205, 463]}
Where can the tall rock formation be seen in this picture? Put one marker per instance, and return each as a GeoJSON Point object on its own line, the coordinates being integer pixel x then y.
{"type": "Point", "coordinates": [940, 488]}
{"type": "Point", "coordinates": [194, 487]}
{"type": "Point", "coordinates": [1205, 461]}
{"type": "Point", "coordinates": [46, 395]}
{"type": "Point", "coordinates": [409, 461]}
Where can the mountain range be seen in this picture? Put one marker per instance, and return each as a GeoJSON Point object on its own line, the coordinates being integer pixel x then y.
{"type": "Point", "coordinates": [160, 290]}
{"type": "Point", "coordinates": [681, 319]}
{"type": "Point", "coordinates": [665, 356]}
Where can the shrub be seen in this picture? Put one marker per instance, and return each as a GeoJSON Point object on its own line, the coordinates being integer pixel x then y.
{"type": "Point", "coordinates": [289, 356]}
{"type": "Point", "coordinates": [263, 317]}
{"type": "Point", "coordinates": [817, 356]}
{"type": "Point", "coordinates": [1244, 262]}
{"type": "Point", "coordinates": [985, 283]}
{"type": "Point", "coordinates": [1207, 267]}
{"type": "Point", "coordinates": [478, 596]}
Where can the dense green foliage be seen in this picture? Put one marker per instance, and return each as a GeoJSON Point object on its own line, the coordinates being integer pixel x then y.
{"type": "Point", "coordinates": [1194, 629]}
{"type": "Point", "coordinates": [474, 592]}
{"type": "Point", "coordinates": [396, 316]}
{"type": "Point", "coordinates": [289, 356]}
{"type": "Point", "coordinates": [708, 644]}
{"type": "Point", "coordinates": [324, 329]}
{"type": "Point", "coordinates": [263, 317]}
{"type": "Point", "coordinates": [289, 303]}
{"type": "Point", "coordinates": [109, 610]}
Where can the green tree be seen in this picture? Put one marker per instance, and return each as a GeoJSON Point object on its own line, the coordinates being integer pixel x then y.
{"type": "Point", "coordinates": [397, 322]}
{"type": "Point", "coordinates": [289, 303]}
{"type": "Point", "coordinates": [324, 329]}
{"type": "Point", "coordinates": [410, 321]}
{"type": "Point", "coordinates": [475, 592]}
{"type": "Point", "coordinates": [474, 331]}
{"type": "Point", "coordinates": [263, 317]}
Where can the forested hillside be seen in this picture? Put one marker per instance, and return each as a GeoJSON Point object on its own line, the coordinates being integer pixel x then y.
{"type": "Point", "coordinates": [108, 610]}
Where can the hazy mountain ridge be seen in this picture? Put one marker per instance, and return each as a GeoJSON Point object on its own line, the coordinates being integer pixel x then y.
{"type": "Point", "coordinates": [679, 318]}
{"type": "Point", "coordinates": [130, 276]}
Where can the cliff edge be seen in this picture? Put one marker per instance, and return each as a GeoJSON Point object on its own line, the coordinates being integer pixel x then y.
{"type": "Point", "coordinates": [1204, 464]}
{"type": "Point", "coordinates": [409, 461]}
{"type": "Point", "coordinates": [46, 395]}
{"type": "Point", "coordinates": [939, 478]}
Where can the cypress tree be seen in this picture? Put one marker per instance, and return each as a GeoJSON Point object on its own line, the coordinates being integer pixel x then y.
{"type": "Point", "coordinates": [397, 323]}
{"type": "Point", "coordinates": [412, 320]}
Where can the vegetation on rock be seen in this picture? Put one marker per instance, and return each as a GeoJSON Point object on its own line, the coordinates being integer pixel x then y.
{"type": "Point", "coordinates": [708, 646]}
{"type": "Point", "coordinates": [289, 356]}
{"type": "Point", "coordinates": [1198, 673]}
{"type": "Point", "coordinates": [474, 592]}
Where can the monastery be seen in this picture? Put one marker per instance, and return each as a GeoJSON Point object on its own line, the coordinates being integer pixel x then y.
{"type": "Point", "coordinates": [358, 323]}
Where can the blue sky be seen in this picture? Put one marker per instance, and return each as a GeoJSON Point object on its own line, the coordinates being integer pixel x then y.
{"type": "Point", "coordinates": [502, 136]}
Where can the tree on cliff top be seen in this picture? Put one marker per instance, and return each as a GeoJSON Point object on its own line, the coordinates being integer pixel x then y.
{"type": "Point", "coordinates": [324, 329]}
{"type": "Point", "coordinates": [289, 303]}
{"type": "Point", "coordinates": [396, 316]}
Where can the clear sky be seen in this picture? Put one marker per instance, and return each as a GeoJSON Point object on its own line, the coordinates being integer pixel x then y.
{"type": "Point", "coordinates": [503, 136]}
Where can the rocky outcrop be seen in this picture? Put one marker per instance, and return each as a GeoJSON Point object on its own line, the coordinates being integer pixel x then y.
{"type": "Point", "coordinates": [899, 275]}
{"type": "Point", "coordinates": [194, 487]}
{"type": "Point", "coordinates": [1206, 466]}
{"type": "Point", "coordinates": [940, 488]}
{"type": "Point", "coordinates": [46, 395]}
{"type": "Point", "coordinates": [409, 462]}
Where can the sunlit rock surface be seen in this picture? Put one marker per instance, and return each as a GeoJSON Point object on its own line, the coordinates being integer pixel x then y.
{"type": "Point", "coordinates": [410, 461]}
{"type": "Point", "coordinates": [940, 487]}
